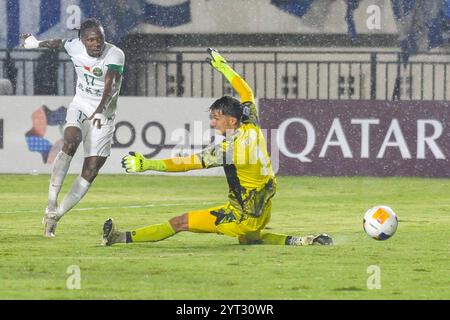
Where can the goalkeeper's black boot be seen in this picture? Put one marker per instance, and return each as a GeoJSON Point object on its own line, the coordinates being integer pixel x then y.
{"type": "Point", "coordinates": [110, 232]}
{"type": "Point", "coordinates": [322, 239]}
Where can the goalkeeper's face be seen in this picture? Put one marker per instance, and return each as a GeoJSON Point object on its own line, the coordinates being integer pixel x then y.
{"type": "Point", "coordinates": [222, 123]}
{"type": "Point", "coordinates": [94, 41]}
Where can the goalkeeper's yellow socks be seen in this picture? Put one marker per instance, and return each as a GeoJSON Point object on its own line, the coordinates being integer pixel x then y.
{"type": "Point", "coordinates": [156, 232]}
{"type": "Point", "coordinates": [273, 238]}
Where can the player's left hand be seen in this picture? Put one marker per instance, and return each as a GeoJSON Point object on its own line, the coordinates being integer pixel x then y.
{"type": "Point", "coordinates": [98, 119]}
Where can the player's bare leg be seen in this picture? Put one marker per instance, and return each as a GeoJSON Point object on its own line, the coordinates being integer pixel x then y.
{"type": "Point", "coordinates": [81, 185]}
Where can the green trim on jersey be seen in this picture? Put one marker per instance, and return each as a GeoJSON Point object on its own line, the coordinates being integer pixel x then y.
{"type": "Point", "coordinates": [115, 67]}
{"type": "Point", "coordinates": [63, 45]}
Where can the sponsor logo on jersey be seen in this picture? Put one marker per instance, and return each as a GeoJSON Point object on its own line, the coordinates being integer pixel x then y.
{"type": "Point", "coordinates": [97, 71]}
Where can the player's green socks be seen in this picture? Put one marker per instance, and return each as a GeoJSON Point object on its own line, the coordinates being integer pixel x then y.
{"type": "Point", "coordinates": [273, 238]}
{"type": "Point", "coordinates": [156, 232]}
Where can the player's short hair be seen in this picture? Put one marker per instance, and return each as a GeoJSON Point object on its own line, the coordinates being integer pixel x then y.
{"type": "Point", "coordinates": [89, 24]}
{"type": "Point", "coordinates": [229, 106]}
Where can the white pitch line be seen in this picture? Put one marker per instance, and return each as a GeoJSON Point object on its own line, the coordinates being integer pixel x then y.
{"type": "Point", "coordinates": [118, 207]}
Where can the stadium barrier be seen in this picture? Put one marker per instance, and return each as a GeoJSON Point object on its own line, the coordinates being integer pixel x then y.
{"type": "Point", "coordinates": [306, 74]}
{"type": "Point", "coordinates": [316, 138]}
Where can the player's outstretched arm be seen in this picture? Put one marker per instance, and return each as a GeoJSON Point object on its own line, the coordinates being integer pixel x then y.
{"type": "Point", "coordinates": [220, 64]}
{"type": "Point", "coordinates": [136, 162]}
{"type": "Point", "coordinates": [30, 42]}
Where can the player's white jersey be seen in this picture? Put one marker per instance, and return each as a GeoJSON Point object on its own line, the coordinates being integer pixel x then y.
{"type": "Point", "coordinates": [91, 73]}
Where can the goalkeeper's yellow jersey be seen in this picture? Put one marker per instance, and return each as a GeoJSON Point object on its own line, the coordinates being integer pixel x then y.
{"type": "Point", "coordinates": [243, 155]}
{"type": "Point", "coordinates": [245, 159]}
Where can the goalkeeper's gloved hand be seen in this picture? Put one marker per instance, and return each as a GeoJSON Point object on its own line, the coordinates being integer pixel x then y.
{"type": "Point", "coordinates": [136, 162]}
{"type": "Point", "coordinates": [220, 64]}
{"type": "Point", "coordinates": [216, 60]}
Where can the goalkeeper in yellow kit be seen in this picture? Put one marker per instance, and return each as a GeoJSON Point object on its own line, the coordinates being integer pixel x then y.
{"type": "Point", "coordinates": [243, 155]}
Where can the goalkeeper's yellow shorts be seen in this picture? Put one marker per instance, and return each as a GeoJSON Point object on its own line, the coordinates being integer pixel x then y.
{"type": "Point", "coordinates": [229, 221]}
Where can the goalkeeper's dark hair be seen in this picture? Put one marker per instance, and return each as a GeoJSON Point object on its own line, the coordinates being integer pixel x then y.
{"type": "Point", "coordinates": [89, 24]}
{"type": "Point", "coordinates": [231, 107]}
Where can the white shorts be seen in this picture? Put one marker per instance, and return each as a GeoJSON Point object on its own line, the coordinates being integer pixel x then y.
{"type": "Point", "coordinates": [96, 142]}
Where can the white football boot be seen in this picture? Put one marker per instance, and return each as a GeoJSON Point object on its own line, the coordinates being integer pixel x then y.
{"type": "Point", "coordinates": [50, 220]}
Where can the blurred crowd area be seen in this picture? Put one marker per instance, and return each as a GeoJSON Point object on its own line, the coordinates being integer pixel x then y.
{"type": "Point", "coordinates": [308, 49]}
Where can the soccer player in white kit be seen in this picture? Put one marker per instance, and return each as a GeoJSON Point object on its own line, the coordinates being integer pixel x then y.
{"type": "Point", "coordinates": [90, 116]}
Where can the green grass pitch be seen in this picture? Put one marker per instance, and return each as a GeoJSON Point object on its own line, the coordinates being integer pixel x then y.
{"type": "Point", "coordinates": [414, 264]}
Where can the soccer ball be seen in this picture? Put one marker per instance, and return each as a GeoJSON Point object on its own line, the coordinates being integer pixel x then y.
{"type": "Point", "coordinates": [380, 222]}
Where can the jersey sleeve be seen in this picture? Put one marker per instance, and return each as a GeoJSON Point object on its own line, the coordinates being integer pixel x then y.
{"type": "Point", "coordinates": [72, 46]}
{"type": "Point", "coordinates": [247, 99]}
{"type": "Point", "coordinates": [217, 154]}
{"type": "Point", "coordinates": [116, 60]}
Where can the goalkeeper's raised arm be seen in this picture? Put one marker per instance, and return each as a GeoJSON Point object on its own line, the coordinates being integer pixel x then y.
{"type": "Point", "coordinates": [220, 64]}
